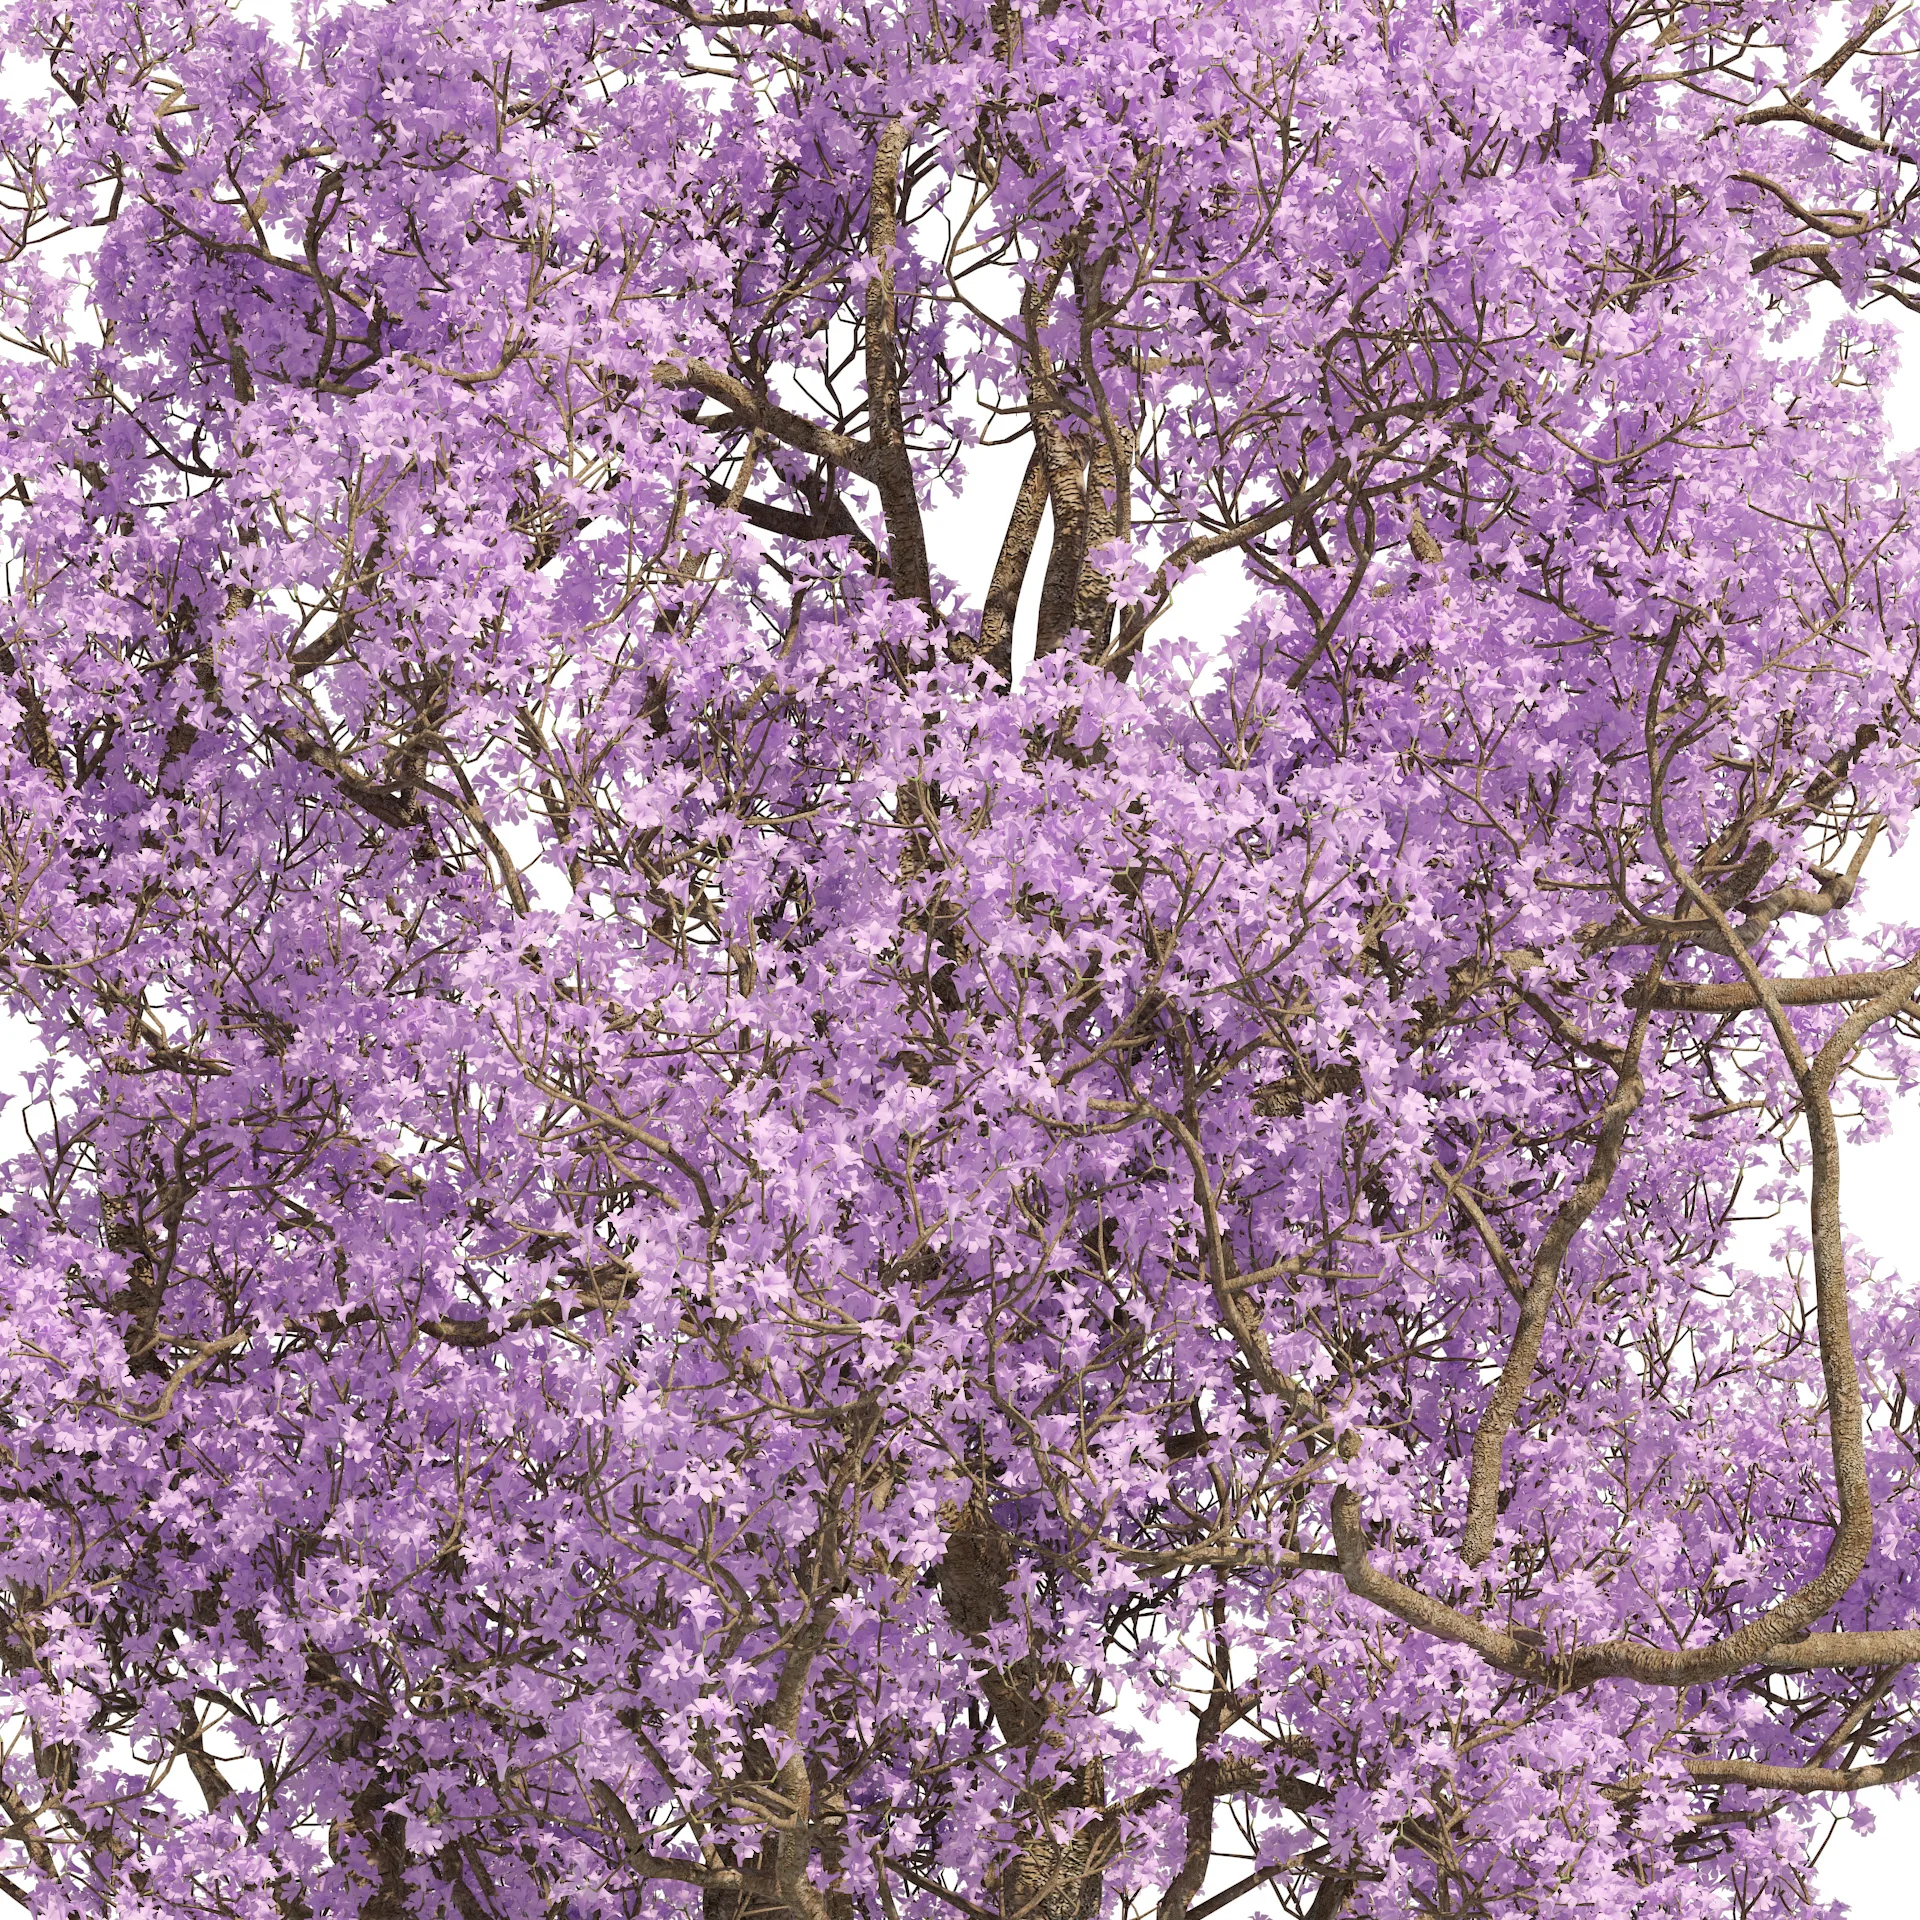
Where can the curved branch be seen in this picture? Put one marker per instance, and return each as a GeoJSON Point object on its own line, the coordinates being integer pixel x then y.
{"type": "Point", "coordinates": [1496, 1420]}
{"type": "Point", "coordinates": [777, 422]}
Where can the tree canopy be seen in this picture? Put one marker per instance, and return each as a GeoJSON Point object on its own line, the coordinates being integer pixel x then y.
{"type": "Point", "coordinates": [697, 1238]}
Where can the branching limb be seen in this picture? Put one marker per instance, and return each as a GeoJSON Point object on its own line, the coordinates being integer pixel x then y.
{"type": "Point", "coordinates": [775, 421]}
{"type": "Point", "coordinates": [1496, 1420]}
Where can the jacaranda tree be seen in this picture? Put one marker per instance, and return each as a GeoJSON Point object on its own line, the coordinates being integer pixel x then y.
{"type": "Point", "coordinates": [693, 1244]}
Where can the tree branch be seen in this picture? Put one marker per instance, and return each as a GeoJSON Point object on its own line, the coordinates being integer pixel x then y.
{"type": "Point", "coordinates": [892, 467]}
{"type": "Point", "coordinates": [777, 422]}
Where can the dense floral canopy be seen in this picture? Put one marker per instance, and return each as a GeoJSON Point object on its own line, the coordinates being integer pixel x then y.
{"type": "Point", "coordinates": [698, 1241]}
